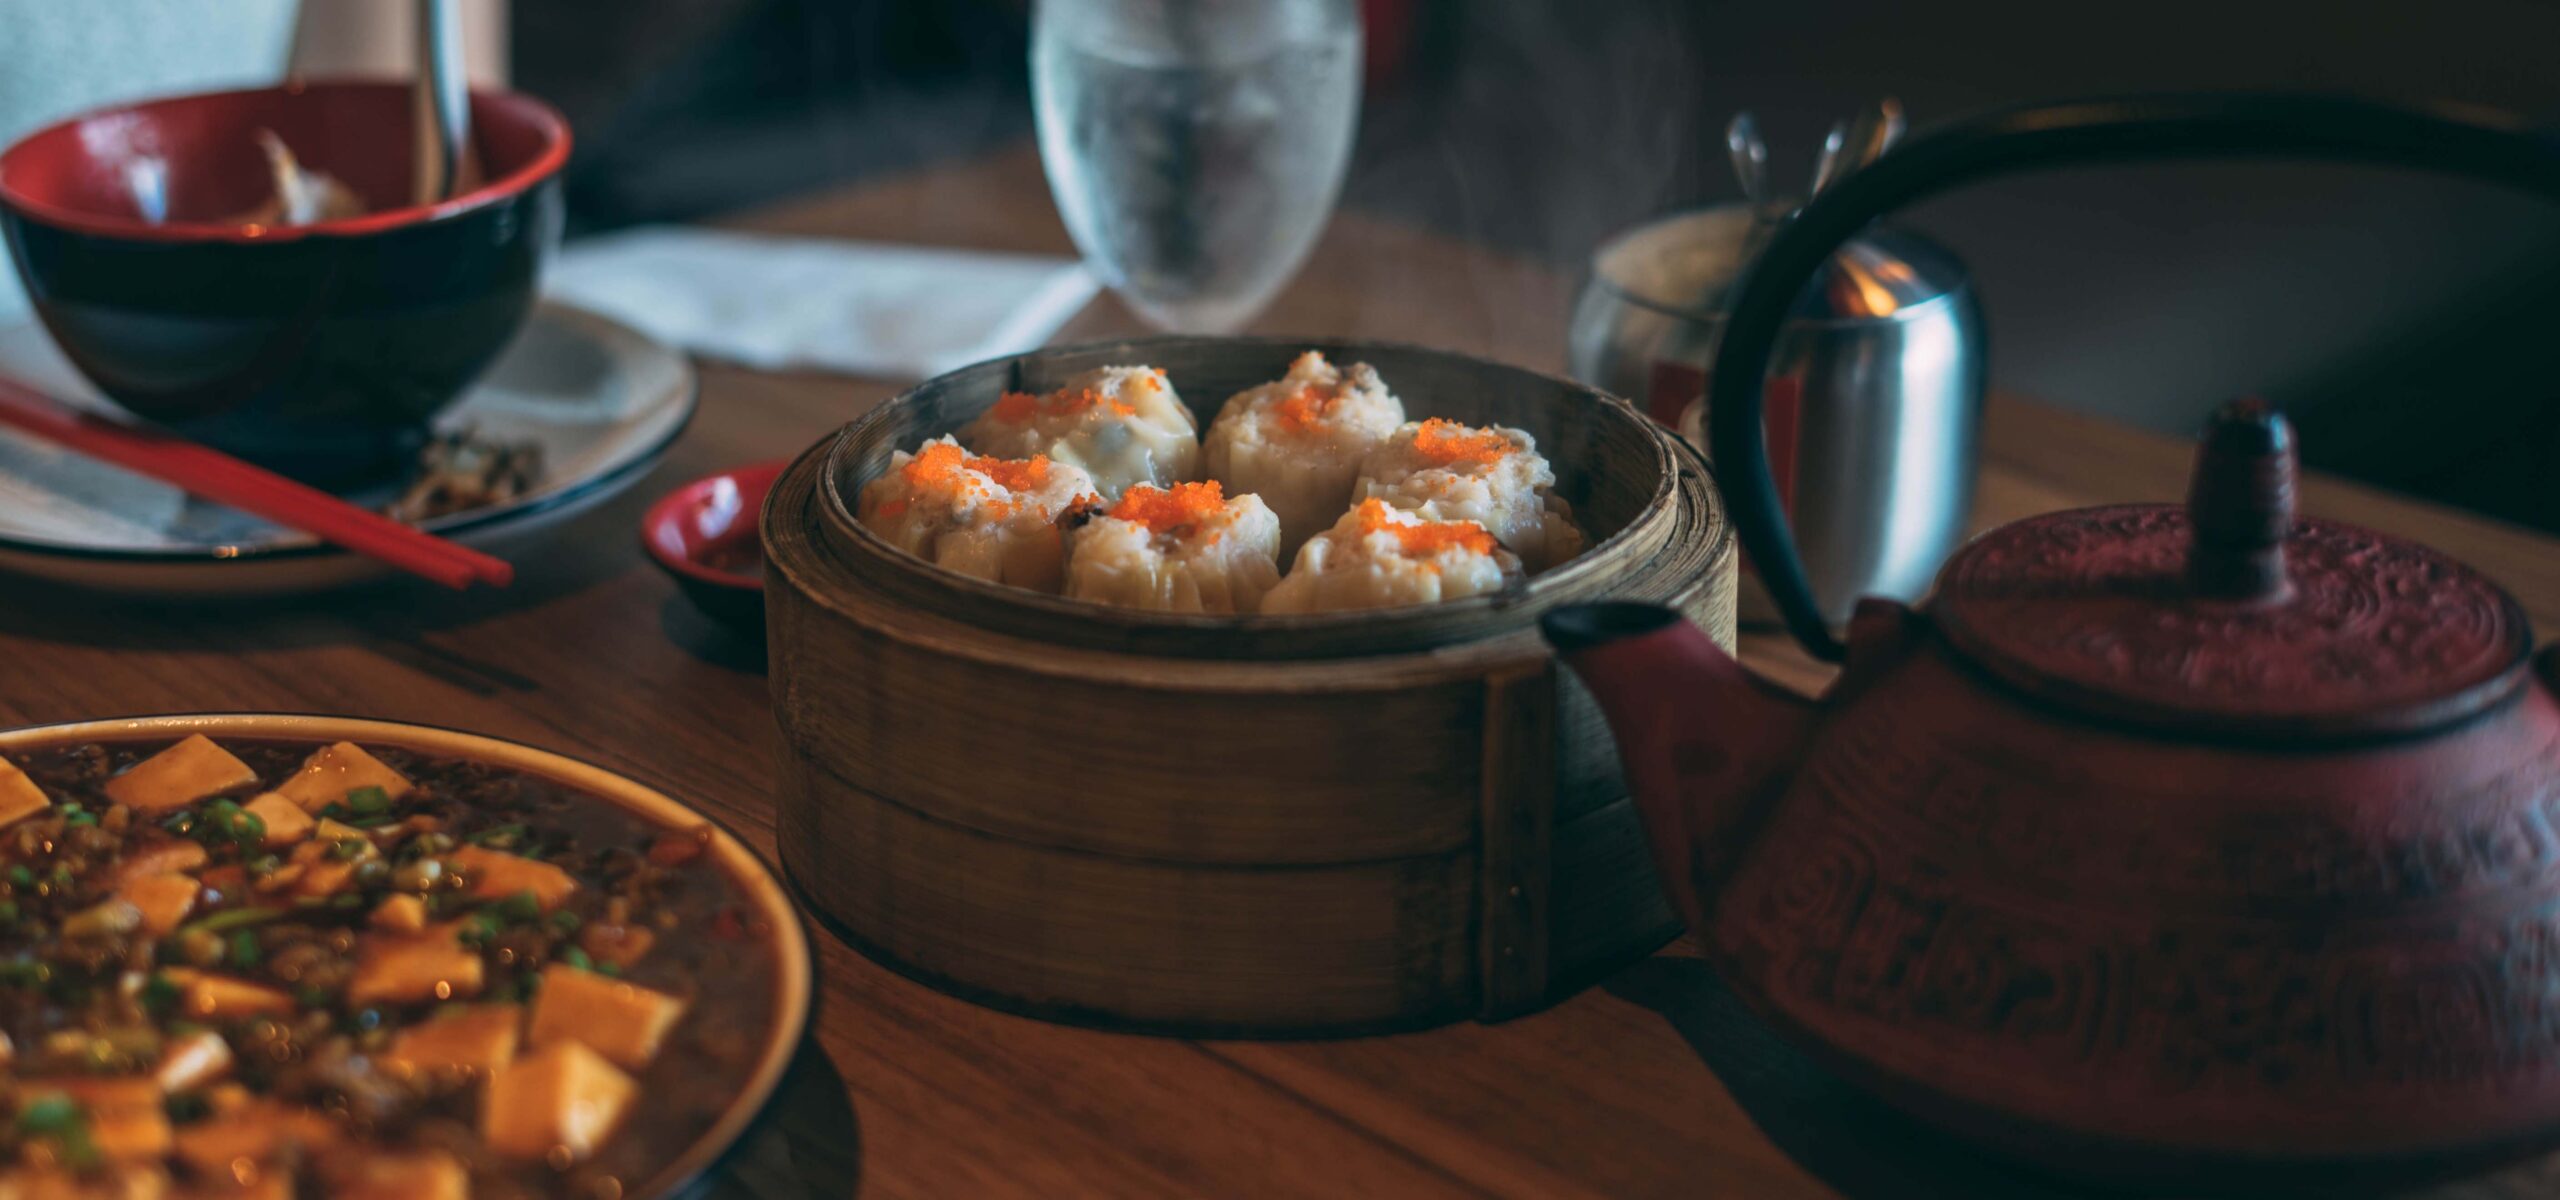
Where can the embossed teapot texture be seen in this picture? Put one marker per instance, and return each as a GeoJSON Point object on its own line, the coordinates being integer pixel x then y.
{"type": "Point", "coordinates": [2205, 835]}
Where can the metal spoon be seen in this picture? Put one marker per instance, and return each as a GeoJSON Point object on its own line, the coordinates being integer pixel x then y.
{"type": "Point", "coordinates": [1850, 280]}
{"type": "Point", "coordinates": [1876, 128]}
{"type": "Point", "coordinates": [440, 102]}
{"type": "Point", "coordinates": [1750, 157]}
{"type": "Point", "coordinates": [1826, 166]}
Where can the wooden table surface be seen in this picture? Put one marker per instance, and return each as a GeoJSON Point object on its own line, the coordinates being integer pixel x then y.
{"type": "Point", "coordinates": [1652, 1084]}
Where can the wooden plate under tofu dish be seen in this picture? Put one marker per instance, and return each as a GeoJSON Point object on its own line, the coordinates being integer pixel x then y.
{"type": "Point", "coordinates": [285, 956]}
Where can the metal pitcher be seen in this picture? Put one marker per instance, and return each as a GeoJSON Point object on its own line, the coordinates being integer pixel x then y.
{"type": "Point", "coordinates": [1874, 395]}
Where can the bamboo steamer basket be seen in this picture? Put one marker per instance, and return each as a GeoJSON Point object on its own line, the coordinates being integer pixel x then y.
{"type": "Point", "coordinates": [1224, 825]}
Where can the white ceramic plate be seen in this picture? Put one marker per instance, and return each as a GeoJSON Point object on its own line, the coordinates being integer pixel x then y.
{"type": "Point", "coordinates": [603, 400]}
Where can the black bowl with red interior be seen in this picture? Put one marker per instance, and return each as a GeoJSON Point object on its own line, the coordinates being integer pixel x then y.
{"type": "Point", "coordinates": [321, 350]}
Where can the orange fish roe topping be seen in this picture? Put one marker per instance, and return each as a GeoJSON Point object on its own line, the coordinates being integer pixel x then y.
{"type": "Point", "coordinates": [1016, 474]}
{"type": "Point", "coordinates": [1305, 410]}
{"type": "Point", "coordinates": [1164, 510]}
{"type": "Point", "coordinates": [1450, 444]}
{"type": "Point", "coordinates": [1425, 539]}
{"type": "Point", "coordinates": [941, 468]}
{"type": "Point", "coordinates": [1016, 408]}
{"type": "Point", "coordinates": [936, 466]}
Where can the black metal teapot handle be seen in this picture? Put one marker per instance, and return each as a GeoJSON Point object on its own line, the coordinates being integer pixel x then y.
{"type": "Point", "coordinates": [2487, 147]}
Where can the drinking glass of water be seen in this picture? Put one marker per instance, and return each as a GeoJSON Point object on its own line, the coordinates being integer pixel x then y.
{"type": "Point", "coordinates": [1195, 147]}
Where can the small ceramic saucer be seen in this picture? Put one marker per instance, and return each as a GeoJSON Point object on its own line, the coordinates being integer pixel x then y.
{"type": "Point", "coordinates": [603, 401]}
{"type": "Point", "coordinates": [703, 535]}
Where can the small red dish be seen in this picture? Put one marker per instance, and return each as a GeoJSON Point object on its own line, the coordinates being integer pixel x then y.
{"type": "Point", "coordinates": [703, 535]}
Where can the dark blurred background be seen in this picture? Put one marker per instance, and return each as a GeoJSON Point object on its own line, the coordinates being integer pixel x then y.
{"type": "Point", "coordinates": [2402, 318]}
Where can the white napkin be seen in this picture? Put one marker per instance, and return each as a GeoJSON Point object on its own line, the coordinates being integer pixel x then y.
{"type": "Point", "coordinates": [862, 308]}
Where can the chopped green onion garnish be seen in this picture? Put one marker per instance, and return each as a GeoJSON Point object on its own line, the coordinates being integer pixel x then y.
{"type": "Point", "coordinates": [235, 919]}
{"type": "Point", "coordinates": [244, 948]}
{"type": "Point", "coordinates": [519, 908]}
{"type": "Point", "coordinates": [158, 993]}
{"type": "Point", "coordinates": [577, 958]}
{"type": "Point", "coordinates": [187, 1107]}
{"type": "Point", "coordinates": [497, 837]}
{"type": "Point", "coordinates": [369, 800]}
{"type": "Point", "coordinates": [51, 1114]}
{"type": "Point", "coordinates": [26, 972]}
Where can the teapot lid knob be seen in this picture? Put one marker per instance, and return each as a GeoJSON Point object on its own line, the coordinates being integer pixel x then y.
{"type": "Point", "coordinates": [2240, 504]}
{"type": "Point", "coordinates": [2234, 616]}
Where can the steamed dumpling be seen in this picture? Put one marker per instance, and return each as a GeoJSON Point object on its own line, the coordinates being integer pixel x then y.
{"type": "Point", "coordinates": [1298, 441]}
{"type": "Point", "coordinates": [1186, 549]}
{"type": "Point", "coordinates": [993, 518]}
{"type": "Point", "coordinates": [1120, 425]}
{"type": "Point", "coordinates": [1495, 477]}
{"type": "Point", "coordinates": [1382, 557]}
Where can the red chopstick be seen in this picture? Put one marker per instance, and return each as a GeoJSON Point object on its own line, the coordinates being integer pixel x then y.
{"type": "Point", "coordinates": [219, 477]}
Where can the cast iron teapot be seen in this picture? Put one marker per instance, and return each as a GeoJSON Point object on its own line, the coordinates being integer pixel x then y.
{"type": "Point", "coordinates": [2164, 841]}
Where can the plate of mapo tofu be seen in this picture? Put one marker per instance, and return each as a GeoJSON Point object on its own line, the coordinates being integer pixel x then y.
{"type": "Point", "coordinates": [1316, 491]}
{"type": "Point", "coordinates": [287, 957]}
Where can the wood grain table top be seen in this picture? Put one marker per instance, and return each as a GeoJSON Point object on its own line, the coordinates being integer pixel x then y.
{"type": "Point", "coordinates": [1653, 1083]}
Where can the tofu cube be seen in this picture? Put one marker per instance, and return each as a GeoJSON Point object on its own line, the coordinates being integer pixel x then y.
{"type": "Point", "coordinates": [335, 770]}
{"type": "Point", "coordinates": [202, 994]}
{"type": "Point", "coordinates": [171, 857]}
{"type": "Point", "coordinates": [272, 1182]}
{"type": "Point", "coordinates": [20, 798]}
{"type": "Point", "coordinates": [434, 965]}
{"type": "Point", "coordinates": [192, 1062]}
{"type": "Point", "coordinates": [482, 1037]}
{"type": "Point", "coordinates": [496, 875]}
{"type": "Point", "coordinates": [318, 867]}
{"type": "Point", "coordinates": [285, 821]}
{"type": "Point", "coordinates": [624, 1022]}
{"type": "Point", "coordinates": [412, 1175]}
{"type": "Point", "coordinates": [118, 1181]}
{"type": "Point", "coordinates": [164, 900]}
{"type": "Point", "coordinates": [123, 1114]}
{"type": "Point", "coordinates": [260, 1131]}
{"type": "Point", "coordinates": [400, 914]}
{"type": "Point", "coordinates": [131, 1134]}
{"type": "Point", "coordinates": [180, 775]}
{"type": "Point", "coordinates": [328, 833]}
{"type": "Point", "coordinates": [562, 1095]}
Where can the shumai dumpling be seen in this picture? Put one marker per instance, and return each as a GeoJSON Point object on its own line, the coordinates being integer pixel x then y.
{"type": "Point", "coordinates": [1495, 477]}
{"type": "Point", "coordinates": [1187, 549]}
{"type": "Point", "coordinates": [1381, 557]}
{"type": "Point", "coordinates": [1298, 441]}
{"type": "Point", "coordinates": [1120, 425]}
{"type": "Point", "coordinates": [994, 518]}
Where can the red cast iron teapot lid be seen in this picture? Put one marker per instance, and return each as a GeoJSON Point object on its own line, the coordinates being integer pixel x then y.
{"type": "Point", "coordinates": [2231, 615]}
